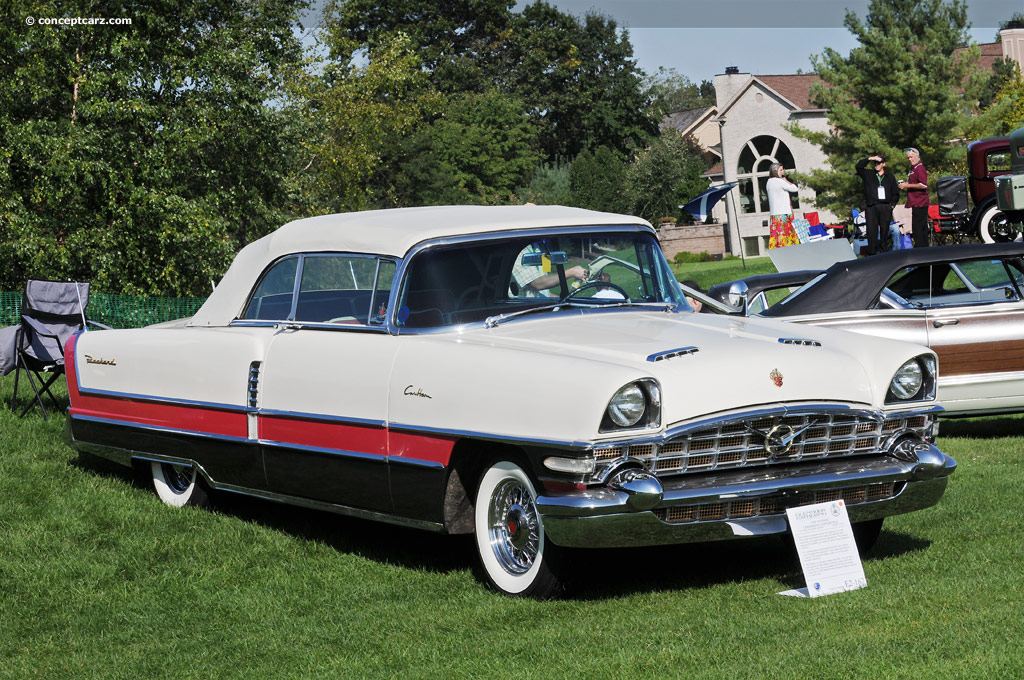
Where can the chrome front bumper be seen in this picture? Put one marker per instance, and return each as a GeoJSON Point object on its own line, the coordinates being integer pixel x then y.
{"type": "Point", "coordinates": [626, 512]}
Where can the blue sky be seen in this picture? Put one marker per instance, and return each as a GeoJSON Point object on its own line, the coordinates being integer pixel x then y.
{"type": "Point", "coordinates": [699, 38]}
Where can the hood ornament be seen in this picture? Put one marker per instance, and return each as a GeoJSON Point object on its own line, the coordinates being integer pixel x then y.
{"type": "Point", "coordinates": [776, 377]}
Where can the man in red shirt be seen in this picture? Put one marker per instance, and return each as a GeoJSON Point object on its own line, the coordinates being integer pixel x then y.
{"type": "Point", "coordinates": [916, 187]}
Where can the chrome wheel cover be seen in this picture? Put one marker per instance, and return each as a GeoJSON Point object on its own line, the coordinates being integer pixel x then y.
{"type": "Point", "coordinates": [514, 529]}
{"type": "Point", "coordinates": [178, 477]}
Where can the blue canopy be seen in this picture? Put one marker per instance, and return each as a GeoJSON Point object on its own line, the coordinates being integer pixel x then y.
{"type": "Point", "coordinates": [700, 206]}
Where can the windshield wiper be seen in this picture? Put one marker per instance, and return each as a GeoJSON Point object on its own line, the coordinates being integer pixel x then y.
{"type": "Point", "coordinates": [492, 321]}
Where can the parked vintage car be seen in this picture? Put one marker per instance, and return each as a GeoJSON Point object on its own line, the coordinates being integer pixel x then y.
{"type": "Point", "coordinates": [441, 368]}
{"type": "Point", "coordinates": [965, 302]}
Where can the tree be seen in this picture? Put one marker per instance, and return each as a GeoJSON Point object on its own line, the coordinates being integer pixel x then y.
{"type": "Point", "coordinates": [576, 79]}
{"type": "Point", "coordinates": [580, 82]}
{"type": "Point", "coordinates": [141, 156]}
{"type": "Point", "coordinates": [669, 92]}
{"type": "Point", "coordinates": [478, 151]}
{"type": "Point", "coordinates": [910, 82]}
{"type": "Point", "coordinates": [664, 176]}
{"type": "Point", "coordinates": [357, 119]}
{"type": "Point", "coordinates": [597, 180]}
{"type": "Point", "coordinates": [549, 185]}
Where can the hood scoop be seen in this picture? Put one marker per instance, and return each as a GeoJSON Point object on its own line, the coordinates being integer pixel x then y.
{"type": "Point", "coordinates": [672, 353]}
{"type": "Point", "coordinates": [799, 341]}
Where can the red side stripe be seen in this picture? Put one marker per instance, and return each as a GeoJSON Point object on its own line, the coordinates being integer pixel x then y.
{"type": "Point", "coordinates": [301, 432]}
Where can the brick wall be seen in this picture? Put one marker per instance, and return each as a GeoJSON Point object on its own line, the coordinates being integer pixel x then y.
{"type": "Point", "coordinates": [694, 239]}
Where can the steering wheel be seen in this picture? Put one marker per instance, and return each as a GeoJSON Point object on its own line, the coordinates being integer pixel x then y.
{"type": "Point", "coordinates": [598, 284]}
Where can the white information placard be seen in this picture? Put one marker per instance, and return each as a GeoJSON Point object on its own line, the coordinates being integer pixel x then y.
{"type": "Point", "coordinates": [827, 550]}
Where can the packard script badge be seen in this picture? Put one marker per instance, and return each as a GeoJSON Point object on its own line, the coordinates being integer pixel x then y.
{"type": "Point", "coordinates": [776, 377]}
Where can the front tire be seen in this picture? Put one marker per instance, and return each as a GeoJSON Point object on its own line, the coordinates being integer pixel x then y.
{"type": "Point", "coordinates": [179, 485]}
{"type": "Point", "coordinates": [993, 227]}
{"type": "Point", "coordinates": [516, 556]}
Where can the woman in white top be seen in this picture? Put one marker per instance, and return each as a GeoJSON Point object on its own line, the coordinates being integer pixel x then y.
{"type": "Point", "coordinates": [779, 189]}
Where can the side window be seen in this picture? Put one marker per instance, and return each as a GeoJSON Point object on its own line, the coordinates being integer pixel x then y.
{"type": "Point", "coordinates": [336, 289]}
{"type": "Point", "coordinates": [382, 291]}
{"type": "Point", "coordinates": [272, 299]}
{"type": "Point", "coordinates": [341, 289]}
{"type": "Point", "coordinates": [998, 161]}
{"type": "Point", "coordinates": [975, 282]}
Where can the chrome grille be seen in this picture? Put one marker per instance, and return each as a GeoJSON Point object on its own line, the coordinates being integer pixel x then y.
{"type": "Point", "coordinates": [775, 504]}
{"type": "Point", "coordinates": [765, 439]}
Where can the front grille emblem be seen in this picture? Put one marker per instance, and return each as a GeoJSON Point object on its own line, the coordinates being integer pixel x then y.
{"type": "Point", "coordinates": [779, 440]}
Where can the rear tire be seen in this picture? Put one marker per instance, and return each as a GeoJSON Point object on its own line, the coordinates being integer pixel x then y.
{"type": "Point", "coordinates": [993, 227]}
{"type": "Point", "coordinates": [516, 556]}
{"type": "Point", "coordinates": [179, 485]}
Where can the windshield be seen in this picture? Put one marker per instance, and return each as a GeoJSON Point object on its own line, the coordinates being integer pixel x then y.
{"type": "Point", "coordinates": [796, 293]}
{"type": "Point", "coordinates": [469, 282]}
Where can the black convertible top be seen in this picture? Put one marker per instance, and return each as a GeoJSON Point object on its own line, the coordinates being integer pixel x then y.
{"type": "Point", "coordinates": [856, 284]}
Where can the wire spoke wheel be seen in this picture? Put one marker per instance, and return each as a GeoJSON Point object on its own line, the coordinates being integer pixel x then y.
{"type": "Point", "coordinates": [514, 527]}
{"type": "Point", "coordinates": [515, 554]}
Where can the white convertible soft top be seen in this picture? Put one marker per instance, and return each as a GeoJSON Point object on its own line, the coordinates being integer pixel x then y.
{"type": "Point", "coordinates": [382, 232]}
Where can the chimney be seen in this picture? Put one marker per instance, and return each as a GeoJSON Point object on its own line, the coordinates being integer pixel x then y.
{"type": "Point", "coordinates": [728, 84]}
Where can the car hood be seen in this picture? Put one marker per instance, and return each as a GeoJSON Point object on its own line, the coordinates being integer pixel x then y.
{"type": "Point", "coordinates": [711, 363]}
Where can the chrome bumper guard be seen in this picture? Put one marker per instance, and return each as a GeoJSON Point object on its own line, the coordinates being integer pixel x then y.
{"type": "Point", "coordinates": [636, 508]}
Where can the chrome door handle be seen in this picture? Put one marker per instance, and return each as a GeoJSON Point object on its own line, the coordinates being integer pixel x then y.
{"type": "Point", "coordinates": [939, 323]}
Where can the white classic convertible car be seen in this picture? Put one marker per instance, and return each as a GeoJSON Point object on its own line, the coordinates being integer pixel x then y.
{"type": "Point", "coordinates": [532, 375]}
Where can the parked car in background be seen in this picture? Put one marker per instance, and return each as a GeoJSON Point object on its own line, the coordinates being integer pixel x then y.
{"type": "Point", "coordinates": [965, 302]}
{"type": "Point", "coordinates": [986, 160]}
{"type": "Point", "coordinates": [751, 294]}
{"type": "Point", "coordinates": [530, 375]}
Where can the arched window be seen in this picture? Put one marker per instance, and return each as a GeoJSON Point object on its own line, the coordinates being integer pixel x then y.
{"type": "Point", "coordinates": [757, 156]}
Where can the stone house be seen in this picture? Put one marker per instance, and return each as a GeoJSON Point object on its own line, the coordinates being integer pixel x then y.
{"type": "Point", "coordinates": [751, 115]}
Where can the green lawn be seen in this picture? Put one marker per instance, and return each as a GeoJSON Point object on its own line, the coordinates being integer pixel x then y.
{"type": "Point", "coordinates": [709, 273]}
{"type": "Point", "coordinates": [98, 579]}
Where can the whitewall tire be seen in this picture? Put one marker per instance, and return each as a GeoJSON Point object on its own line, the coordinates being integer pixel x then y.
{"type": "Point", "coordinates": [993, 226]}
{"type": "Point", "coordinates": [516, 556]}
{"type": "Point", "coordinates": [178, 485]}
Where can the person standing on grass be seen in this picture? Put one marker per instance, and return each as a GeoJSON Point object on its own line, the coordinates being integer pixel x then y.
{"type": "Point", "coordinates": [781, 208]}
{"type": "Point", "coordinates": [916, 187]}
{"type": "Point", "coordinates": [881, 193]}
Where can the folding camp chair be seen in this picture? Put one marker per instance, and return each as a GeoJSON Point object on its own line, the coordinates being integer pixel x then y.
{"type": "Point", "coordinates": [950, 219]}
{"type": "Point", "coordinates": [51, 312]}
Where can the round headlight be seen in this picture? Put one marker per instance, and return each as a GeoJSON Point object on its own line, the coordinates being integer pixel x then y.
{"type": "Point", "coordinates": [627, 406]}
{"type": "Point", "coordinates": [908, 380]}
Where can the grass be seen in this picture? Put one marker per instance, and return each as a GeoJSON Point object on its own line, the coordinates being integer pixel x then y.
{"type": "Point", "coordinates": [98, 579]}
{"type": "Point", "coordinates": [707, 274]}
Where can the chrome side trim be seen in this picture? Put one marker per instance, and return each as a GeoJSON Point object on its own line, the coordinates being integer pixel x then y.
{"type": "Point", "coordinates": [342, 453]}
{"type": "Point", "coordinates": [483, 436]}
{"type": "Point", "coordinates": [980, 378]}
{"type": "Point", "coordinates": [302, 415]}
{"type": "Point", "coordinates": [159, 428]}
{"type": "Point", "coordinates": [236, 408]}
{"type": "Point", "coordinates": [308, 325]}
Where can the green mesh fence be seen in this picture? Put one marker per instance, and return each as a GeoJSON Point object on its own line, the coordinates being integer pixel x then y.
{"type": "Point", "coordinates": [116, 311]}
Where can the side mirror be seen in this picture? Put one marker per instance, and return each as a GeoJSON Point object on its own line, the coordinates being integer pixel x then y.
{"type": "Point", "coordinates": [738, 295]}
